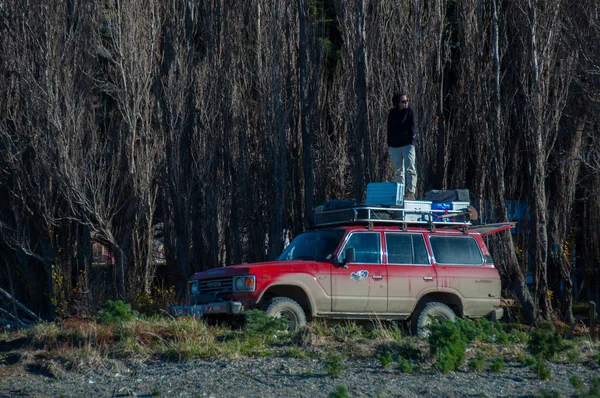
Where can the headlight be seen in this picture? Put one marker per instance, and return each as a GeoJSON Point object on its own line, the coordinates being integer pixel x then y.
{"type": "Point", "coordinates": [244, 283]}
{"type": "Point", "coordinates": [239, 283]}
{"type": "Point", "coordinates": [193, 288]}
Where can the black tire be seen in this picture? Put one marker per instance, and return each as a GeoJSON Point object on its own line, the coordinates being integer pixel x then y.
{"type": "Point", "coordinates": [434, 310]}
{"type": "Point", "coordinates": [285, 307]}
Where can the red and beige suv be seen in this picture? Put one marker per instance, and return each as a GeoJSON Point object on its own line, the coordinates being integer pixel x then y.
{"type": "Point", "coordinates": [354, 270]}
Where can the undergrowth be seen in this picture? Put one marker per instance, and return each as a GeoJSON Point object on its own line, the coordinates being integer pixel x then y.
{"type": "Point", "coordinates": [448, 343]}
{"type": "Point", "coordinates": [116, 311]}
{"type": "Point", "coordinates": [385, 360]}
{"type": "Point", "coordinates": [545, 342]}
{"type": "Point", "coordinates": [333, 365]}
{"type": "Point", "coordinates": [592, 392]}
{"type": "Point", "coordinates": [120, 333]}
{"type": "Point", "coordinates": [340, 392]}
{"type": "Point", "coordinates": [259, 323]}
{"type": "Point", "coordinates": [405, 365]}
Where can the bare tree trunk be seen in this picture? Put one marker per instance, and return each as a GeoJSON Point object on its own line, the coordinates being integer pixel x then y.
{"type": "Point", "coordinates": [307, 160]}
{"type": "Point", "coordinates": [565, 182]}
{"type": "Point", "coordinates": [509, 265]}
{"type": "Point", "coordinates": [277, 135]}
{"type": "Point", "coordinates": [441, 138]}
{"type": "Point", "coordinates": [362, 154]}
{"type": "Point", "coordinates": [543, 113]}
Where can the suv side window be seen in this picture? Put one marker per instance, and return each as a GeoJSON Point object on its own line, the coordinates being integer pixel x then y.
{"type": "Point", "coordinates": [367, 247]}
{"type": "Point", "coordinates": [459, 250]}
{"type": "Point", "coordinates": [406, 249]}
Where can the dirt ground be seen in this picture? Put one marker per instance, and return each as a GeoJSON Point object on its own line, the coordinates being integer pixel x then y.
{"type": "Point", "coordinates": [28, 376]}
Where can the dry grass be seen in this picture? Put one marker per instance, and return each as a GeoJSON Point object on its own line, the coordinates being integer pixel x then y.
{"type": "Point", "coordinates": [82, 343]}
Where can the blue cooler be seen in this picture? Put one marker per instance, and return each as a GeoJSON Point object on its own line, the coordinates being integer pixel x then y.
{"type": "Point", "coordinates": [441, 208]}
{"type": "Point", "coordinates": [385, 193]}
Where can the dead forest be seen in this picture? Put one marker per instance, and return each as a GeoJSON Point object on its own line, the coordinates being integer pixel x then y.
{"type": "Point", "coordinates": [210, 129]}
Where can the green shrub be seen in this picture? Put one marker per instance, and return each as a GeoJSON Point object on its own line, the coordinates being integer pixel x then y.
{"type": "Point", "coordinates": [497, 365]}
{"type": "Point", "coordinates": [340, 392]}
{"type": "Point", "coordinates": [594, 391]}
{"type": "Point", "coordinates": [576, 382]}
{"type": "Point", "coordinates": [116, 311]}
{"type": "Point", "coordinates": [545, 341]}
{"type": "Point", "coordinates": [548, 394]}
{"type": "Point", "coordinates": [253, 345]}
{"type": "Point", "coordinates": [476, 364]}
{"type": "Point", "coordinates": [385, 360]}
{"type": "Point", "coordinates": [408, 351]}
{"type": "Point", "coordinates": [259, 323]}
{"type": "Point", "coordinates": [333, 365]}
{"type": "Point", "coordinates": [489, 332]}
{"type": "Point", "coordinates": [405, 365]}
{"type": "Point", "coordinates": [518, 337]}
{"type": "Point", "coordinates": [470, 329]}
{"type": "Point", "coordinates": [529, 361]}
{"type": "Point", "coordinates": [573, 355]}
{"type": "Point", "coordinates": [448, 343]}
{"type": "Point", "coordinates": [296, 352]}
{"type": "Point", "coordinates": [541, 370]}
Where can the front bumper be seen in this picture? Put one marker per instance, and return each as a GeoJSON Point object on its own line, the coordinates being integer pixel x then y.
{"type": "Point", "coordinates": [201, 310]}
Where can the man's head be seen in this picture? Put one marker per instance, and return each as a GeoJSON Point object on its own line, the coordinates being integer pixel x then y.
{"type": "Point", "coordinates": [400, 101]}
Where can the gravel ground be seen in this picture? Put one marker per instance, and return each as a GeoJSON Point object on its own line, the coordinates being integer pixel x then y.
{"type": "Point", "coordinates": [278, 377]}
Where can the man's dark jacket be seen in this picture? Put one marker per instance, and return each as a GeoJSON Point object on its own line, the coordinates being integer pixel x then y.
{"type": "Point", "coordinates": [402, 127]}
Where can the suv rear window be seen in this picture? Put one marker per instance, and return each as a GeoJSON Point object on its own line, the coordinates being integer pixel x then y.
{"type": "Point", "coordinates": [456, 250]}
{"type": "Point", "coordinates": [406, 249]}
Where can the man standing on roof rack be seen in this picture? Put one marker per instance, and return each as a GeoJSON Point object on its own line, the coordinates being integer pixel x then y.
{"type": "Point", "coordinates": [401, 138]}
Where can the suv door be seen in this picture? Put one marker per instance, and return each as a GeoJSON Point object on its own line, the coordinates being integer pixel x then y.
{"type": "Point", "coordinates": [360, 286]}
{"type": "Point", "coordinates": [410, 274]}
{"type": "Point", "coordinates": [463, 267]}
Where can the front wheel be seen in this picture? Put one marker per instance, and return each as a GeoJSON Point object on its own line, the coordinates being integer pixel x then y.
{"type": "Point", "coordinates": [288, 309]}
{"type": "Point", "coordinates": [438, 311]}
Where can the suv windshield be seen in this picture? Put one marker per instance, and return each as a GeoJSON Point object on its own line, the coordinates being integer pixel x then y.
{"type": "Point", "coordinates": [314, 245]}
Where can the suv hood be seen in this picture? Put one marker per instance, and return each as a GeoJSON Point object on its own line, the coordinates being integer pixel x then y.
{"type": "Point", "coordinates": [244, 269]}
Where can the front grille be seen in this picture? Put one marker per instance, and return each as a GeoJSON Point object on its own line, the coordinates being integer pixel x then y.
{"type": "Point", "coordinates": [212, 286]}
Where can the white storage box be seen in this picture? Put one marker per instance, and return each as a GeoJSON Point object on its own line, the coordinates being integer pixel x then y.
{"type": "Point", "coordinates": [417, 210]}
{"type": "Point", "coordinates": [385, 193]}
{"type": "Point", "coordinates": [460, 206]}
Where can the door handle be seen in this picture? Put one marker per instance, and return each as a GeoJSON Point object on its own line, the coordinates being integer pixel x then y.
{"type": "Point", "coordinates": [428, 278]}
{"type": "Point", "coordinates": [377, 277]}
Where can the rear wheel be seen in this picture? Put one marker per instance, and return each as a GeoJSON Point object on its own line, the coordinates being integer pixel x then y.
{"type": "Point", "coordinates": [438, 311]}
{"type": "Point", "coordinates": [288, 309]}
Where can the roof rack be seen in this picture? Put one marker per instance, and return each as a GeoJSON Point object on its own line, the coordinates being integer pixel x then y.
{"type": "Point", "coordinates": [394, 215]}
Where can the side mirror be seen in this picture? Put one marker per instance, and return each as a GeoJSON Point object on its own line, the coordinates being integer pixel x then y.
{"type": "Point", "coordinates": [350, 255]}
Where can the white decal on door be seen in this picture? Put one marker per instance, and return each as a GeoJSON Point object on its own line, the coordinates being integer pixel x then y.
{"type": "Point", "coordinates": [359, 276]}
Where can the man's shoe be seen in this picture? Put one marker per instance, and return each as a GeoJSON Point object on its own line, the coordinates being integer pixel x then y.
{"type": "Point", "coordinates": [409, 195]}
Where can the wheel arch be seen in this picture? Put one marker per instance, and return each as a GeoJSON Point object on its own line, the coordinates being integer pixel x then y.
{"type": "Point", "coordinates": [294, 292]}
{"type": "Point", "coordinates": [450, 299]}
